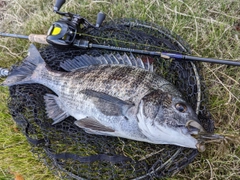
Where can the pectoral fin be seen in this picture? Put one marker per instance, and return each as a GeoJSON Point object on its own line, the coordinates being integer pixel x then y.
{"type": "Point", "coordinates": [53, 108]}
{"type": "Point", "coordinates": [90, 125]}
{"type": "Point", "coordinates": [107, 104]}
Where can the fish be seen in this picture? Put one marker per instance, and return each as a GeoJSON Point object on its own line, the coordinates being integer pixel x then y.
{"type": "Point", "coordinates": [113, 95]}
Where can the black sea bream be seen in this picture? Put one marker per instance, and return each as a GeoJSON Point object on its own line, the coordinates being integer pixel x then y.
{"type": "Point", "coordinates": [113, 95]}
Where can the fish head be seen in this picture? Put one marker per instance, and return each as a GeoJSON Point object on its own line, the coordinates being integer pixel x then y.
{"type": "Point", "coordinates": [167, 119]}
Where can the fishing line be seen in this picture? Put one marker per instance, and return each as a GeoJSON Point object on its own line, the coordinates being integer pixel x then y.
{"type": "Point", "coordinates": [127, 42]}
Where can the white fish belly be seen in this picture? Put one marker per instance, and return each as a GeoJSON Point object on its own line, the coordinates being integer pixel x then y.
{"type": "Point", "coordinates": [82, 106]}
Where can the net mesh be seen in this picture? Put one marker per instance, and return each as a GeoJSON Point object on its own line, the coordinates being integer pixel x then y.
{"type": "Point", "coordinates": [73, 154]}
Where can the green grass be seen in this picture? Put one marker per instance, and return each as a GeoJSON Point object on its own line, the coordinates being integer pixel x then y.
{"type": "Point", "coordinates": [208, 26]}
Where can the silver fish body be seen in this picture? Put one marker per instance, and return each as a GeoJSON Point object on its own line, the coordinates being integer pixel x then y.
{"type": "Point", "coordinates": [112, 99]}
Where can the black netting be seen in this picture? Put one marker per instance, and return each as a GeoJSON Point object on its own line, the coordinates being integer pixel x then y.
{"type": "Point", "coordinates": [72, 153]}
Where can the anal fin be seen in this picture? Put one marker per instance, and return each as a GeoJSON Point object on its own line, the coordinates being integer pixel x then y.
{"type": "Point", "coordinates": [53, 108]}
{"type": "Point", "coordinates": [90, 125]}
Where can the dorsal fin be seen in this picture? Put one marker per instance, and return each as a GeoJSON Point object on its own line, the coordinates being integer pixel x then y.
{"type": "Point", "coordinates": [87, 60]}
{"type": "Point", "coordinates": [148, 65]}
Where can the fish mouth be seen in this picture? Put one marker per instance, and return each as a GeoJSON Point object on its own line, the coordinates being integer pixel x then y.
{"type": "Point", "coordinates": [197, 131]}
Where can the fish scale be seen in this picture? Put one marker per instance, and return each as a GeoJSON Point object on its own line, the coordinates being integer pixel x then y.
{"type": "Point", "coordinates": [115, 78]}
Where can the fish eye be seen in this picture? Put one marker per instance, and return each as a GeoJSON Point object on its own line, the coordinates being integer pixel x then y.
{"type": "Point", "coordinates": [181, 107]}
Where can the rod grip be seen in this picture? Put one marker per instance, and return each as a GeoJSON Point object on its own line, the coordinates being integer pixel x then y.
{"type": "Point", "coordinates": [38, 38]}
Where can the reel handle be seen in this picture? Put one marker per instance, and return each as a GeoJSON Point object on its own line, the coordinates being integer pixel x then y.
{"type": "Point", "coordinates": [100, 18]}
{"type": "Point", "coordinates": [58, 5]}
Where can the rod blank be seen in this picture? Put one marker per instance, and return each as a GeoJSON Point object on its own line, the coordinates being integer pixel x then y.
{"type": "Point", "coordinates": [38, 38]}
{"type": "Point", "coordinates": [14, 35]}
{"type": "Point", "coordinates": [202, 59]}
{"type": "Point", "coordinates": [211, 60]}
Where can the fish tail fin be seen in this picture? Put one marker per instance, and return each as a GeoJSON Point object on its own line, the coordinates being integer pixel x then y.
{"type": "Point", "coordinates": [23, 73]}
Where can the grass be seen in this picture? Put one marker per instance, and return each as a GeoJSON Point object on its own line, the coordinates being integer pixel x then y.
{"type": "Point", "coordinates": [208, 26]}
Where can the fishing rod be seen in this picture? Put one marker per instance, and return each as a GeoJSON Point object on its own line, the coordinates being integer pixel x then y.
{"type": "Point", "coordinates": [84, 44]}
{"type": "Point", "coordinates": [66, 32]}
